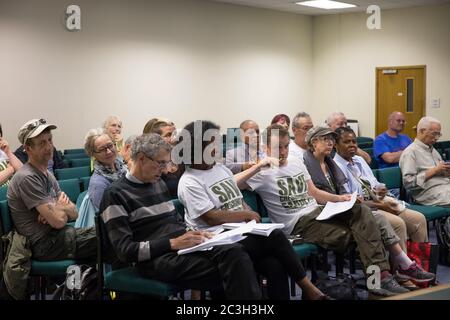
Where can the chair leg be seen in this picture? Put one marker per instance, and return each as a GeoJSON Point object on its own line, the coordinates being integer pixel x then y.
{"type": "Point", "coordinates": [352, 260]}
{"type": "Point", "coordinates": [36, 288]}
{"type": "Point", "coordinates": [339, 263]}
{"type": "Point", "coordinates": [293, 292]}
{"type": "Point", "coordinates": [43, 287]}
{"type": "Point", "coordinates": [313, 260]}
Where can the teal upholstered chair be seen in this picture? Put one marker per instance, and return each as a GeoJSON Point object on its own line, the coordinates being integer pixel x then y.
{"type": "Point", "coordinates": [82, 162]}
{"type": "Point", "coordinates": [74, 151]}
{"type": "Point", "coordinates": [72, 173]}
{"type": "Point", "coordinates": [71, 187]}
{"type": "Point", "coordinates": [40, 270]}
{"type": "Point", "coordinates": [392, 177]}
{"type": "Point", "coordinates": [126, 280]}
{"type": "Point", "coordinates": [3, 191]}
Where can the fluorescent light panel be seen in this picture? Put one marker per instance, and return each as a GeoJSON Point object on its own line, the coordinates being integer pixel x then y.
{"type": "Point", "coordinates": [326, 4]}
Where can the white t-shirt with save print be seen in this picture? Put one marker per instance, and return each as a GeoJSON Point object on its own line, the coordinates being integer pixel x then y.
{"type": "Point", "coordinates": [284, 192]}
{"type": "Point", "coordinates": [203, 190]}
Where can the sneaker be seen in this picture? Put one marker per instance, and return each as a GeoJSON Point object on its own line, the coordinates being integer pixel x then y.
{"type": "Point", "coordinates": [415, 273]}
{"type": "Point", "coordinates": [388, 287]}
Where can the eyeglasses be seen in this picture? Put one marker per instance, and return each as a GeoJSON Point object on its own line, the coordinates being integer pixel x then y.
{"type": "Point", "coordinates": [436, 134]}
{"type": "Point", "coordinates": [36, 124]}
{"type": "Point", "coordinates": [109, 146]}
{"type": "Point", "coordinates": [161, 164]}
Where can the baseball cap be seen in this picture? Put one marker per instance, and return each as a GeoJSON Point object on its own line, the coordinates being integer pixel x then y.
{"type": "Point", "coordinates": [32, 129]}
{"type": "Point", "coordinates": [318, 132]}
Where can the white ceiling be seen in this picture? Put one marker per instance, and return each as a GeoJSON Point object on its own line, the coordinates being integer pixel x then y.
{"type": "Point", "coordinates": [290, 6]}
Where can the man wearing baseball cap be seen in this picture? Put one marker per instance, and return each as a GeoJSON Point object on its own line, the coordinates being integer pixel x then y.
{"type": "Point", "coordinates": [56, 162]}
{"type": "Point", "coordinates": [39, 209]}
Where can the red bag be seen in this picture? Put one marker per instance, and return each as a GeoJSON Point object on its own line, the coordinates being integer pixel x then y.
{"type": "Point", "coordinates": [426, 255]}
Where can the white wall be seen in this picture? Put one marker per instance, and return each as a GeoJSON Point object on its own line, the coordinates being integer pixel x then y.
{"type": "Point", "coordinates": [346, 53]}
{"type": "Point", "coordinates": [182, 59]}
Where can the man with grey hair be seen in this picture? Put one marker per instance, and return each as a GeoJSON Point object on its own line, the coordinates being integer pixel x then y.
{"type": "Point", "coordinates": [300, 125]}
{"type": "Point", "coordinates": [389, 145]}
{"type": "Point", "coordinates": [143, 228]}
{"type": "Point", "coordinates": [338, 119]}
{"type": "Point", "coordinates": [249, 153]}
{"type": "Point", "coordinates": [425, 175]}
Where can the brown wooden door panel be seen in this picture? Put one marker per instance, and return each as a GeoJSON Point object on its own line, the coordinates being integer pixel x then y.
{"type": "Point", "coordinates": [392, 95]}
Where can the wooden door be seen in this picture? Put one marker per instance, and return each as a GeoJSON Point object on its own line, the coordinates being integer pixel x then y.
{"type": "Point", "coordinates": [400, 89]}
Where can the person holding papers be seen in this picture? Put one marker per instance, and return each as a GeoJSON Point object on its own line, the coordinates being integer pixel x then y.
{"type": "Point", "coordinates": [291, 198]}
{"type": "Point", "coordinates": [143, 228]}
{"type": "Point", "coordinates": [211, 198]}
{"type": "Point", "coordinates": [327, 175]}
{"type": "Point", "coordinates": [407, 223]}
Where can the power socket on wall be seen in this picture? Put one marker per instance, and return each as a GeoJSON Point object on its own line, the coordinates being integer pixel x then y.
{"type": "Point", "coordinates": [435, 103]}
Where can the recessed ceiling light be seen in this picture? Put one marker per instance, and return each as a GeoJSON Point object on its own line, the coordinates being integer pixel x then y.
{"type": "Point", "coordinates": [326, 4]}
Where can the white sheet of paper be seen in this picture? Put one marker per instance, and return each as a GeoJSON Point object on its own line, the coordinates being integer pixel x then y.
{"type": "Point", "coordinates": [333, 208]}
{"type": "Point", "coordinates": [226, 237]}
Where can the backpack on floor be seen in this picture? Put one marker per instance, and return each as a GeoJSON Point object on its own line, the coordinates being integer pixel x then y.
{"type": "Point", "coordinates": [81, 284]}
{"type": "Point", "coordinates": [443, 238]}
{"type": "Point", "coordinates": [341, 288]}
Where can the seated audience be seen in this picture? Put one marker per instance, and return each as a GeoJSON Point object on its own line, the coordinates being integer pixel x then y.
{"type": "Point", "coordinates": [425, 175]}
{"type": "Point", "coordinates": [388, 146]}
{"type": "Point", "coordinates": [301, 123]}
{"type": "Point", "coordinates": [282, 120]}
{"type": "Point", "coordinates": [9, 163]}
{"type": "Point", "coordinates": [126, 151]}
{"type": "Point", "coordinates": [291, 198]}
{"type": "Point", "coordinates": [211, 197]}
{"type": "Point", "coordinates": [167, 130]}
{"type": "Point", "coordinates": [360, 178]}
{"type": "Point", "coordinates": [107, 169]}
{"type": "Point", "coordinates": [113, 127]}
{"type": "Point", "coordinates": [337, 120]}
{"type": "Point", "coordinates": [39, 209]}
{"type": "Point", "coordinates": [333, 178]}
{"type": "Point", "coordinates": [247, 154]}
{"type": "Point", "coordinates": [56, 162]}
{"type": "Point", "coordinates": [152, 238]}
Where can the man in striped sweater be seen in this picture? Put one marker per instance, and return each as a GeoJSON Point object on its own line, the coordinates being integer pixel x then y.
{"type": "Point", "coordinates": [143, 228]}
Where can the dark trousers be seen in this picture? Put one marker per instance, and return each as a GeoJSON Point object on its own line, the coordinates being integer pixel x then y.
{"type": "Point", "coordinates": [228, 268]}
{"type": "Point", "coordinates": [274, 257]}
{"type": "Point", "coordinates": [67, 243]}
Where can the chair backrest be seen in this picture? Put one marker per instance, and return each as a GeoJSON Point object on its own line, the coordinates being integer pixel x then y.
{"type": "Point", "coordinates": [82, 162]}
{"type": "Point", "coordinates": [85, 183]}
{"type": "Point", "coordinates": [5, 216]}
{"type": "Point", "coordinates": [375, 173]}
{"type": "Point", "coordinates": [364, 145]}
{"type": "Point", "coordinates": [3, 192]}
{"type": "Point", "coordinates": [72, 156]}
{"type": "Point", "coordinates": [369, 151]}
{"type": "Point", "coordinates": [70, 151]}
{"type": "Point", "coordinates": [255, 202]}
{"type": "Point", "coordinates": [179, 207]}
{"type": "Point", "coordinates": [71, 187]}
{"type": "Point", "coordinates": [363, 139]}
{"type": "Point", "coordinates": [72, 173]}
{"type": "Point", "coordinates": [392, 177]}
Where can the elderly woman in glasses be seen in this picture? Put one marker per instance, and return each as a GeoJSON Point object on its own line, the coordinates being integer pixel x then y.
{"type": "Point", "coordinates": [108, 167]}
{"type": "Point", "coordinates": [9, 163]}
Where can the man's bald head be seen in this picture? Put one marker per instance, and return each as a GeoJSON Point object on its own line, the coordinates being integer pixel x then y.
{"type": "Point", "coordinates": [249, 131]}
